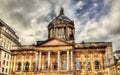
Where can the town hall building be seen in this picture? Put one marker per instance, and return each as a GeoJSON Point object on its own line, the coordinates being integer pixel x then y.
{"type": "Point", "coordinates": [60, 55]}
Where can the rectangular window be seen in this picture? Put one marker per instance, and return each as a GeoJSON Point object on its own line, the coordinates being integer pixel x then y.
{"type": "Point", "coordinates": [65, 31]}
{"type": "Point", "coordinates": [7, 63]}
{"type": "Point", "coordinates": [64, 65]}
{"type": "Point", "coordinates": [6, 70]}
{"type": "Point", "coordinates": [3, 69]}
{"type": "Point", "coordinates": [8, 56]}
{"type": "Point", "coordinates": [5, 55]}
{"type": "Point", "coordinates": [3, 62]}
{"type": "Point", "coordinates": [60, 32]}
{"type": "Point", "coordinates": [78, 66]}
{"type": "Point", "coordinates": [0, 64]}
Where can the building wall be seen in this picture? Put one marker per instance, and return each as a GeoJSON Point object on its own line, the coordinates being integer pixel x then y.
{"type": "Point", "coordinates": [90, 55]}
{"type": "Point", "coordinates": [5, 62]}
{"type": "Point", "coordinates": [79, 54]}
{"type": "Point", "coordinates": [114, 69]}
{"type": "Point", "coordinates": [8, 39]}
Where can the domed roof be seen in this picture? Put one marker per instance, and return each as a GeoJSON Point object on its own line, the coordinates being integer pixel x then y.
{"type": "Point", "coordinates": [61, 18]}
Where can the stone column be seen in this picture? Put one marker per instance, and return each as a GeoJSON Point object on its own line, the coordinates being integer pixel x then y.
{"type": "Point", "coordinates": [23, 62]}
{"type": "Point", "coordinates": [71, 60]}
{"type": "Point", "coordinates": [31, 63]}
{"type": "Point", "coordinates": [14, 65]}
{"type": "Point", "coordinates": [40, 61]}
{"type": "Point", "coordinates": [68, 61]}
{"type": "Point", "coordinates": [92, 62]}
{"type": "Point", "coordinates": [101, 67]}
{"type": "Point", "coordinates": [36, 63]}
{"type": "Point", "coordinates": [11, 65]}
{"type": "Point", "coordinates": [56, 32]}
{"type": "Point", "coordinates": [62, 32]}
{"type": "Point", "coordinates": [58, 60]}
{"type": "Point", "coordinates": [48, 60]}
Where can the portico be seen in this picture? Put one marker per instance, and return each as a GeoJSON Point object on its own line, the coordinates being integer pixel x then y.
{"type": "Point", "coordinates": [54, 57]}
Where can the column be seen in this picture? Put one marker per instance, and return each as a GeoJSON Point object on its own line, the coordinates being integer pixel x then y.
{"type": "Point", "coordinates": [58, 60]}
{"type": "Point", "coordinates": [14, 65]}
{"type": "Point", "coordinates": [11, 65]}
{"type": "Point", "coordinates": [36, 63]}
{"type": "Point", "coordinates": [57, 32]}
{"type": "Point", "coordinates": [48, 60]}
{"type": "Point", "coordinates": [71, 60]}
{"type": "Point", "coordinates": [92, 62]}
{"type": "Point", "coordinates": [68, 59]}
{"type": "Point", "coordinates": [31, 63]}
{"type": "Point", "coordinates": [40, 61]}
{"type": "Point", "coordinates": [22, 64]}
{"type": "Point", "coordinates": [101, 63]}
{"type": "Point", "coordinates": [63, 33]}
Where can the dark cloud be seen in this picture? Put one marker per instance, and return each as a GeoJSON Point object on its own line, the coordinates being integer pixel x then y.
{"type": "Point", "coordinates": [95, 20]}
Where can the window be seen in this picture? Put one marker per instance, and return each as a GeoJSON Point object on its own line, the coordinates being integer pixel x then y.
{"type": "Point", "coordinates": [6, 70]}
{"type": "Point", "coordinates": [55, 65]}
{"type": "Point", "coordinates": [46, 64]}
{"type": "Point", "coordinates": [0, 64]}
{"type": "Point", "coordinates": [78, 65]}
{"type": "Point", "coordinates": [87, 65]}
{"type": "Point", "coordinates": [8, 57]}
{"type": "Point", "coordinates": [3, 62]}
{"type": "Point", "coordinates": [5, 55]}
{"type": "Point", "coordinates": [96, 63]}
{"type": "Point", "coordinates": [7, 63]}
{"type": "Point", "coordinates": [64, 65]}
{"type": "Point", "coordinates": [19, 66]}
{"type": "Point", "coordinates": [65, 31]}
{"type": "Point", "coordinates": [26, 66]}
{"type": "Point", "coordinates": [3, 69]}
{"type": "Point", "coordinates": [60, 32]}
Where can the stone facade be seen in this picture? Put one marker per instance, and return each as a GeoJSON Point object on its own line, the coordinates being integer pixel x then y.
{"type": "Point", "coordinates": [114, 65]}
{"type": "Point", "coordinates": [60, 55]}
{"type": "Point", "coordinates": [8, 39]}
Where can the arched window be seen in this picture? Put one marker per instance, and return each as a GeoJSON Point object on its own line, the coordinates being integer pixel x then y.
{"type": "Point", "coordinates": [26, 67]}
{"type": "Point", "coordinates": [96, 63]}
{"type": "Point", "coordinates": [78, 65]}
{"type": "Point", "coordinates": [87, 65]}
{"type": "Point", "coordinates": [64, 65]}
{"type": "Point", "coordinates": [19, 66]}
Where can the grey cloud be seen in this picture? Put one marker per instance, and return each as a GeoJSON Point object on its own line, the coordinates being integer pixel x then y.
{"type": "Point", "coordinates": [30, 19]}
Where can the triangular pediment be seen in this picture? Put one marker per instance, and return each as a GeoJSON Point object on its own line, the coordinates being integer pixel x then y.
{"type": "Point", "coordinates": [54, 42]}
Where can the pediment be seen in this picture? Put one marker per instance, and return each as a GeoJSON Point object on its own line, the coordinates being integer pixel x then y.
{"type": "Point", "coordinates": [55, 42]}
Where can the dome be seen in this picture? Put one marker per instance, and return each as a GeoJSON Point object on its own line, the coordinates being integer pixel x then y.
{"type": "Point", "coordinates": [61, 19]}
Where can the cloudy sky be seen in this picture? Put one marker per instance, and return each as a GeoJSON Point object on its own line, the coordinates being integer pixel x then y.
{"type": "Point", "coordinates": [95, 20]}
